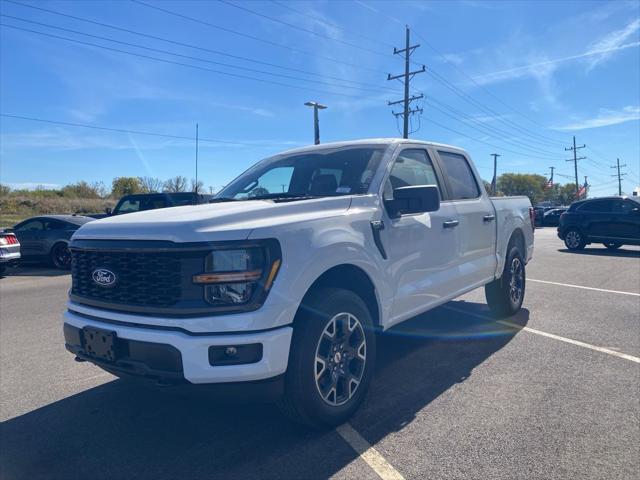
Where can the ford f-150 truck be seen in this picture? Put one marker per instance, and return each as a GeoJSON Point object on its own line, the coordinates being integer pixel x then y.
{"type": "Point", "coordinates": [285, 278]}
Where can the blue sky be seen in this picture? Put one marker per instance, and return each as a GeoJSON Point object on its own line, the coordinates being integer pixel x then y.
{"type": "Point", "coordinates": [516, 78]}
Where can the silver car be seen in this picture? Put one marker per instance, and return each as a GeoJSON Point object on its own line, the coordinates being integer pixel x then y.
{"type": "Point", "coordinates": [9, 250]}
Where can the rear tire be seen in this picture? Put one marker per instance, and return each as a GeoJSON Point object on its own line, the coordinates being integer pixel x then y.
{"type": "Point", "coordinates": [612, 245]}
{"type": "Point", "coordinates": [506, 294]}
{"type": "Point", "coordinates": [574, 240]}
{"type": "Point", "coordinates": [60, 256]}
{"type": "Point", "coordinates": [331, 360]}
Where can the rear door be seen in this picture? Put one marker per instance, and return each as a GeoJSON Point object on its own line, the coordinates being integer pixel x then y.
{"type": "Point", "coordinates": [477, 220]}
{"type": "Point", "coordinates": [598, 218]}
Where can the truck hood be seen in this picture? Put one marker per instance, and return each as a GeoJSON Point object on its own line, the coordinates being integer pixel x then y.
{"type": "Point", "coordinates": [211, 222]}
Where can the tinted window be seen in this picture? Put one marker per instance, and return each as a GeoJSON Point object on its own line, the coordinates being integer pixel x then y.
{"type": "Point", "coordinates": [461, 178]}
{"type": "Point", "coordinates": [58, 225]}
{"type": "Point", "coordinates": [153, 203]}
{"type": "Point", "coordinates": [601, 206]}
{"type": "Point", "coordinates": [29, 225]}
{"type": "Point", "coordinates": [412, 168]}
{"type": "Point", "coordinates": [621, 206]}
{"type": "Point", "coordinates": [128, 206]}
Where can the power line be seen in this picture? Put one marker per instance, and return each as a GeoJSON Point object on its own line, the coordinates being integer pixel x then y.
{"type": "Point", "coordinates": [298, 27]}
{"type": "Point", "coordinates": [136, 132]}
{"type": "Point", "coordinates": [246, 35]}
{"type": "Point", "coordinates": [190, 57]}
{"type": "Point", "coordinates": [485, 128]}
{"type": "Point", "coordinates": [509, 142]}
{"type": "Point", "coordinates": [331, 24]}
{"type": "Point", "coordinates": [498, 99]}
{"type": "Point", "coordinates": [197, 67]}
{"type": "Point", "coordinates": [182, 44]}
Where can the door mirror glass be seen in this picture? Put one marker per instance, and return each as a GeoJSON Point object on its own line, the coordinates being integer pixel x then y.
{"type": "Point", "coordinates": [414, 199]}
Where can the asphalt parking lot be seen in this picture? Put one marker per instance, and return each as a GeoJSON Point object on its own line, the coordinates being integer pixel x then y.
{"type": "Point", "coordinates": [553, 392]}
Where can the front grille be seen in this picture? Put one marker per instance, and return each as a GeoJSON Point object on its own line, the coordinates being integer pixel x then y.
{"type": "Point", "coordinates": [143, 278]}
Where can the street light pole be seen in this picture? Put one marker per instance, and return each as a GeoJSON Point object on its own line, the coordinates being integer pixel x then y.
{"type": "Point", "coordinates": [316, 123]}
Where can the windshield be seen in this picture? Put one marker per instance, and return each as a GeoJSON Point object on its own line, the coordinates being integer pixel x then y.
{"type": "Point", "coordinates": [345, 171]}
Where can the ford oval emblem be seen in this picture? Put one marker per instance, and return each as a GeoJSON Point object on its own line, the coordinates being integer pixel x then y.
{"type": "Point", "coordinates": [104, 277]}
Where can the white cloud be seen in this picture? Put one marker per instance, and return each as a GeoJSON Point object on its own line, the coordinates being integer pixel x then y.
{"type": "Point", "coordinates": [546, 67]}
{"type": "Point", "coordinates": [607, 46]}
{"type": "Point", "coordinates": [604, 118]}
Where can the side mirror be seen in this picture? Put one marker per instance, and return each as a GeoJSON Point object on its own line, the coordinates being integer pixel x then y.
{"type": "Point", "coordinates": [415, 199]}
{"type": "Point", "coordinates": [108, 211]}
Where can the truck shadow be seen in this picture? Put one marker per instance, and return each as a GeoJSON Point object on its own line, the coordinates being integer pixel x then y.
{"type": "Point", "coordinates": [119, 431]}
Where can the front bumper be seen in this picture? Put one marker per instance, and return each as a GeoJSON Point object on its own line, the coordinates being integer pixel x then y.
{"type": "Point", "coordinates": [192, 349]}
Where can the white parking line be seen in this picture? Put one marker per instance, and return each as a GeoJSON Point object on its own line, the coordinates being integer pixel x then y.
{"type": "Point", "coordinates": [578, 343]}
{"type": "Point", "coordinates": [583, 287]}
{"type": "Point", "coordinates": [369, 454]}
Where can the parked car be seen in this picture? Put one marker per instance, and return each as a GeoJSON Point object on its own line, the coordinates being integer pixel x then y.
{"type": "Point", "coordinates": [539, 214]}
{"type": "Point", "coordinates": [46, 238]}
{"type": "Point", "coordinates": [283, 280]}
{"type": "Point", "coordinates": [9, 250]}
{"type": "Point", "coordinates": [612, 221]}
{"type": "Point", "coordinates": [151, 201]}
{"type": "Point", "coordinates": [551, 218]}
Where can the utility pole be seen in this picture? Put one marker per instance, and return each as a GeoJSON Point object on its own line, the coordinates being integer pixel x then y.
{"type": "Point", "coordinates": [619, 175]}
{"type": "Point", "coordinates": [575, 159]}
{"type": "Point", "coordinates": [196, 186]}
{"type": "Point", "coordinates": [316, 123]}
{"type": "Point", "coordinates": [551, 177]}
{"type": "Point", "coordinates": [495, 173]}
{"type": "Point", "coordinates": [406, 76]}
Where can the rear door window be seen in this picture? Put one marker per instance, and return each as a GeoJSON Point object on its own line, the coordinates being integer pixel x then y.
{"type": "Point", "coordinates": [461, 178]}
{"type": "Point", "coordinates": [597, 206]}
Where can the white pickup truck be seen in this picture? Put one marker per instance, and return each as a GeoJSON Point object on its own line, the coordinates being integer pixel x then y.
{"type": "Point", "coordinates": [284, 279]}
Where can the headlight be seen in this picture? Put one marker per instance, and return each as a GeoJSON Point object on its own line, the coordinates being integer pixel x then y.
{"type": "Point", "coordinates": [240, 274]}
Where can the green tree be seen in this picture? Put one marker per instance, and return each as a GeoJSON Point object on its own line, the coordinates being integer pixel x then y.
{"type": "Point", "coordinates": [528, 184]}
{"type": "Point", "coordinates": [125, 186]}
{"type": "Point", "coordinates": [83, 189]}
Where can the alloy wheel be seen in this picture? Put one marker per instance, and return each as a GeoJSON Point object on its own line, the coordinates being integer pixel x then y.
{"type": "Point", "coordinates": [340, 359]}
{"type": "Point", "coordinates": [572, 239]}
{"type": "Point", "coordinates": [516, 281]}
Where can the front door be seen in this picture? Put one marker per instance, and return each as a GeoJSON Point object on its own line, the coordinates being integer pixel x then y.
{"type": "Point", "coordinates": [421, 248]}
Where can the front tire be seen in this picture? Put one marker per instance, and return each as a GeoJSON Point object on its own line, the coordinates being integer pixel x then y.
{"type": "Point", "coordinates": [574, 240]}
{"type": "Point", "coordinates": [612, 245]}
{"type": "Point", "coordinates": [61, 256]}
{"type": "Point", "coordinates": [331, 360]}
{"type": "Point", "coordinates": [506, 294]}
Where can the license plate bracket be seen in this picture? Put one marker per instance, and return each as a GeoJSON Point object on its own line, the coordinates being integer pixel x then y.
{"type": "Point", "coordinates": [99, 344]}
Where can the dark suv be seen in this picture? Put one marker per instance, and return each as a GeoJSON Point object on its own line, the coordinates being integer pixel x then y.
{"type": "Point", "coordinates": [151, 201]}
{"type": "Point", "coordinates": [612, 221]}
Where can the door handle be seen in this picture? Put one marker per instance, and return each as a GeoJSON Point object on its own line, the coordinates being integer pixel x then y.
{"type": "Point", "coordinates": [489, 218]}
{"type": "Point", "coordinates": [450, 223]}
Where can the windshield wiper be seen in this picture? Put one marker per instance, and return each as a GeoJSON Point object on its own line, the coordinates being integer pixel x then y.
{"type": "Point", "coordinates": [223, 199]}
{"type": "Point", "coordinates": [283, 196]}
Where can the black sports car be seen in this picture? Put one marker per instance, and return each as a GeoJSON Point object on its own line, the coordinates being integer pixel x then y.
{"type": "Point", "coordinates": [46, 238]}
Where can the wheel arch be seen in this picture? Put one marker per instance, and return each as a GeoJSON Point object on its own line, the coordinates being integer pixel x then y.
{"type": "Point", "coordinates": [353, 278]}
